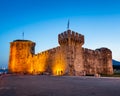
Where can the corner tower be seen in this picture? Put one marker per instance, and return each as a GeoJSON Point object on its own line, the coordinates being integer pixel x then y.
{"type": "Point", "coordinates": [19, 52]}
{"type": "Point", "coordinates": [71, 42]}
{"type": "Point", "coordinates": [106, 55]}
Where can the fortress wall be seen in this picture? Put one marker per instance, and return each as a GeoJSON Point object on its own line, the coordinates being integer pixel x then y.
{"type": "Point", "coordinates": [58, 62]}
{"type": "Point", "coordinates": [90, 61]}
{"type": "Point", "coordinates": [50, 61]}
{"type": "Point", "coordinates": [36, 63]}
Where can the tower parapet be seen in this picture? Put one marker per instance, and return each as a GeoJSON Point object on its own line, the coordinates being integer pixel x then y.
{"type": "Point", "coordinates": [70, 38]}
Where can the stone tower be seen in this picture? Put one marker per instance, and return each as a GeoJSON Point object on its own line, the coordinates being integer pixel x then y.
{"type": "Point", "coordinates": [106, 55]}
{"type": "Point", "coordinates": [19, 53]}
{"type": "Point", "coordinates": [71, 42]}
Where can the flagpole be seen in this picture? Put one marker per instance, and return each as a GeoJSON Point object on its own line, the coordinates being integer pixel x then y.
{"type": "Point", "coordinates": [23, 35]}
{"type": "Point", "coordinates": [68, 24]}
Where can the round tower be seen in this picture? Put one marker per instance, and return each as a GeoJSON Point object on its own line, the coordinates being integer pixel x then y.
{"type": "Point", "coordinates": [107, 61]}
{"type": "Point", "coordinates": [19, 52]}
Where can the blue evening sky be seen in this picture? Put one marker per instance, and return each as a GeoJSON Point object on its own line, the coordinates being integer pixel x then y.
{"type": "Point", "coordinates": [43, 20]}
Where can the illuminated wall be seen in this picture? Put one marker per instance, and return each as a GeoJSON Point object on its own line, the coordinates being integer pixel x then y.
{"type": "Point", "coordinates": [51, 61]}
{"type": "Point", "coordinates": [19, 53]}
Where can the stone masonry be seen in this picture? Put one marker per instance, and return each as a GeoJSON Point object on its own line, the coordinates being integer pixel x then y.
{"type": "Point", "coordinates": [70, 58]}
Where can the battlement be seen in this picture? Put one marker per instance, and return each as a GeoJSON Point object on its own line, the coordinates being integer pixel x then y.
{"type": "Point", "coordinates": [50, 51]}
{"type": "Point", "coordinates": [70, 38]}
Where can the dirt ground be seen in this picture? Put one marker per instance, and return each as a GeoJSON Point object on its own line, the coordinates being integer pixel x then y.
{"type": "Point", "coordinates": [41, 85]}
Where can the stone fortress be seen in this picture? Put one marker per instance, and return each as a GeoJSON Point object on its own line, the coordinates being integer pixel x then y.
{"type": "Point", "coordinates": [70, 58]}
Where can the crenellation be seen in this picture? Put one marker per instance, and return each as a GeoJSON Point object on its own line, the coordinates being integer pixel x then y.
{"type": "Point", "coordinates": [73, 35]}
{"type": "Point", "coordinates": [70, 38]}
{"type": "Point", "coordinates": [62, 35]}
{"type": "Point", "coordinates": [68, 33]}
{"type": "Point", "coordinates": [65, 35]}
{"type": "Point", "coordinates": [77, 36]}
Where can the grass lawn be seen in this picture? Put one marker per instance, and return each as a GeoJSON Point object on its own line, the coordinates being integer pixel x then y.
{"type": "Point", "coordinates": [116, 74]}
